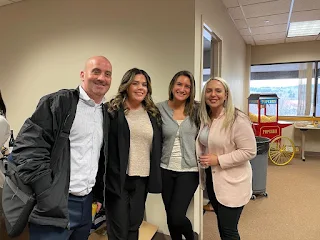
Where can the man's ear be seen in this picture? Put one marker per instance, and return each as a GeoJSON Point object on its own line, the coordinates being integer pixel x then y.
{"type": "Point", "coordinates": [82, 75]}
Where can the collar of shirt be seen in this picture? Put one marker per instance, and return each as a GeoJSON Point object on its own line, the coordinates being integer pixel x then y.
{"type": "Point", "coordinates": [84, 96]}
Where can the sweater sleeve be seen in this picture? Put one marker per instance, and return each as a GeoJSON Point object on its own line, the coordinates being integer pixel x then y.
{"type": "Point", "coordinates": [244, 139]}
{"type": "Point", "coordinates": [4, 130]}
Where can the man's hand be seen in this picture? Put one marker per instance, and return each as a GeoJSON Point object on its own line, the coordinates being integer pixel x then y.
{"type": "Point", "coordinates": [99, 205]}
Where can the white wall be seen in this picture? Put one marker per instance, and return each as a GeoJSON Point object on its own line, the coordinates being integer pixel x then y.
{"type": "Point", "coordinates": [286, 52]}
{"type": "Point", "coordinates": [44, 44]}
{"type": "Point", "coordinates": [215, 15]}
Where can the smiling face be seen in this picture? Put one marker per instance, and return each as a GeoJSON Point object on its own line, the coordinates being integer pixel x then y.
{"type": "Point", "coordinates": [96, 78]}
{"type": "Point", "coordinates": [181, 88]}
{"type": "Point", "coordinates": [215, 95]}
{"type": "Point", "coordinates": [138, 89]}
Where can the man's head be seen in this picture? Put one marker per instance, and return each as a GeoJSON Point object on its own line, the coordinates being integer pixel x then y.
{"type": "Point", "coordinates": [96, 77]}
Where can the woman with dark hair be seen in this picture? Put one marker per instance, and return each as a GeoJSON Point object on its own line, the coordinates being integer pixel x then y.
{"type": "Point", "coordinates": [4, 125]}
{"type": "Point", "coordinates": [133, 168]}
{"type": "Point", "coordinates": [180, 177]}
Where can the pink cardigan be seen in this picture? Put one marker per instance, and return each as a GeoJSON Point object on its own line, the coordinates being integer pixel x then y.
{"type": "Point", "coordinates": [232, 180]}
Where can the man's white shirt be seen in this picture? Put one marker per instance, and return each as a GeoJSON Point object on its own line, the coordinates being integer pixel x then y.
{"type": "Point", "coordinates": [86, 139]}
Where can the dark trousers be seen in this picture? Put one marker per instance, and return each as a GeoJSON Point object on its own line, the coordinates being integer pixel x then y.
{"type": "Point", "coordinates": [209, 187]}
{"type": "Point", "coordinates": [177, 191]}
{"type": "Point", "coordinates": [125, 213]}
{"type": "Point", "coordinates": [80, 219]}
{"type": "Point", "coordinates": [227, 217]}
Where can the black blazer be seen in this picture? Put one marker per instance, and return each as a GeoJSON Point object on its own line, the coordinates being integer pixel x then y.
{"type": "Point", "coordinates": [118, 154]}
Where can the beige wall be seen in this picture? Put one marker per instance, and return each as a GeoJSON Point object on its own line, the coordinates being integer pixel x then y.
{"type": "Point", "coordinates": [247, 77]}
{"type": "Point", "coordinates": [290, 52]}
{"type": "Point", "coordinates": [286, 52]}
{"type": "Point", "coordinates": [215, 15]}
{"type": "Point", "coordinates": [44, 44]}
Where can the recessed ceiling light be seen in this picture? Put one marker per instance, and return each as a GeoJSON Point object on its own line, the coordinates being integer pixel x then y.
{"type": "Point", "coordinates": [266, 21]}
{"type": "Point", "coordinates": [307, 28]}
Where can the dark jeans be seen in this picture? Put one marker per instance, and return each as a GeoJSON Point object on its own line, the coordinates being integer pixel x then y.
{"type": "Point", "coordinates": [125, 213]}
{"type": "Point", "coordinates": [209, 187]}
{"type": "Point", "coordinates": [177, 191]}
{"type": "Point", "coordinates": [228, 217]}
{"type": "Point", "coordinates": [80, 218]}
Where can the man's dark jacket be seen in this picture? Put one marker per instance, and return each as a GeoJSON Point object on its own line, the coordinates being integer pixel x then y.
{"type": "Point", "coordinates": [50, 178]}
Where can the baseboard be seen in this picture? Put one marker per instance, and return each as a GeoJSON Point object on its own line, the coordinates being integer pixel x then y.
{"type": "Point", "coordinates": [310, 154]}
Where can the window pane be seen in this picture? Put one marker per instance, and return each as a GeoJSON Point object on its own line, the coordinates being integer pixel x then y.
{"type": "Point", "coordinates": [293, 83]}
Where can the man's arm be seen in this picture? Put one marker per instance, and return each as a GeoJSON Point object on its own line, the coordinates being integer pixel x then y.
{"type": "Point", "coordinates": [33, 146]}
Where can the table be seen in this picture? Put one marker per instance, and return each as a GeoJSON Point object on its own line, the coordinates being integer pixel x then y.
{"type": "Point", "coordinates": [303, 129]}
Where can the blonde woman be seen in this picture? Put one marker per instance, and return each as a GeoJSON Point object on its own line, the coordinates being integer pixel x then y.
{"type": "Point", "coordinates": [133, 167]}
{"type": "Point", "coordinates": [225, 144]}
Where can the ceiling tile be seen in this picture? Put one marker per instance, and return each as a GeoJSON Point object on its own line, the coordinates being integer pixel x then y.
{"type": "Point", "coordinates": [248, 2]}
{"type": "Point", "coordinates": [231, 3]}
{"type": "Point", "coordinates": [304, 5]}
{"type": "Point", "coordinates": [241, 24]}
{"type": "Point", "coordinates": [245, 32]}
{"type": "Point", "coordinates": [301, 39]}
{"type": "Point", "coordinates": [235, 13]}
{"type": "Point", "coordinates": [273, 20]}
{"type": "Point", "coordinates": [4, 2]}
{"type": "Point", "coordinates": [270, 41]}
{"type": "Point", "coordinates": [269, 29]}
{"type": "Point", "coordinates": [267, 8]}
{"type": "Point", "coordinates": [305, 16]}
{"type": "Point", "coordinates": [248, 40]}
{"type": "Point", "coordinates": [270, 36]}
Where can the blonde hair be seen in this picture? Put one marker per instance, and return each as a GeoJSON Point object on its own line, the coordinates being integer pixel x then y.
{"type": "Point", "coordinates": [120, 99]}
{"type": "Point", "coordinates": [230, 110]}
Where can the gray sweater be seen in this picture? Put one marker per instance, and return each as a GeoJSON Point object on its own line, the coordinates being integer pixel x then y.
{"type": "Point", "coordinates": [188, 133]}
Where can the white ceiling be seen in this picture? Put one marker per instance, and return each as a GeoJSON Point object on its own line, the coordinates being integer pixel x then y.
{"type": "Point", "coordinates": [262, 22]}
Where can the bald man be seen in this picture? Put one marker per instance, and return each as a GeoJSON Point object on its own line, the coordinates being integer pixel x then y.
{"type": "Point", "coordinates": [66, 181]}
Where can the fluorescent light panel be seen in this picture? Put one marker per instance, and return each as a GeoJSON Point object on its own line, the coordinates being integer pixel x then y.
{"type": "Point", "coordinates": [307, 28]}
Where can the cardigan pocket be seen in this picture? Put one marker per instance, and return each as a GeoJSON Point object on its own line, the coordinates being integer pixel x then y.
{"type": "Point", "coordinates": [234, 175]}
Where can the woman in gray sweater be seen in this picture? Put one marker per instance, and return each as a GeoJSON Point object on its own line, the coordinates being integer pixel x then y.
{"type": "Point", "coordinates": [180, 177]}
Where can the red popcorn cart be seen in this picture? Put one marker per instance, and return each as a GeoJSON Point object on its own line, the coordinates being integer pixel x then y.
{"type": "Point", "coordinates": [263, 112]}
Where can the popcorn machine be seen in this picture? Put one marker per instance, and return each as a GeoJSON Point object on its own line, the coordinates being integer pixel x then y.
{"type": "Point", "coordinates": [263, 112]}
